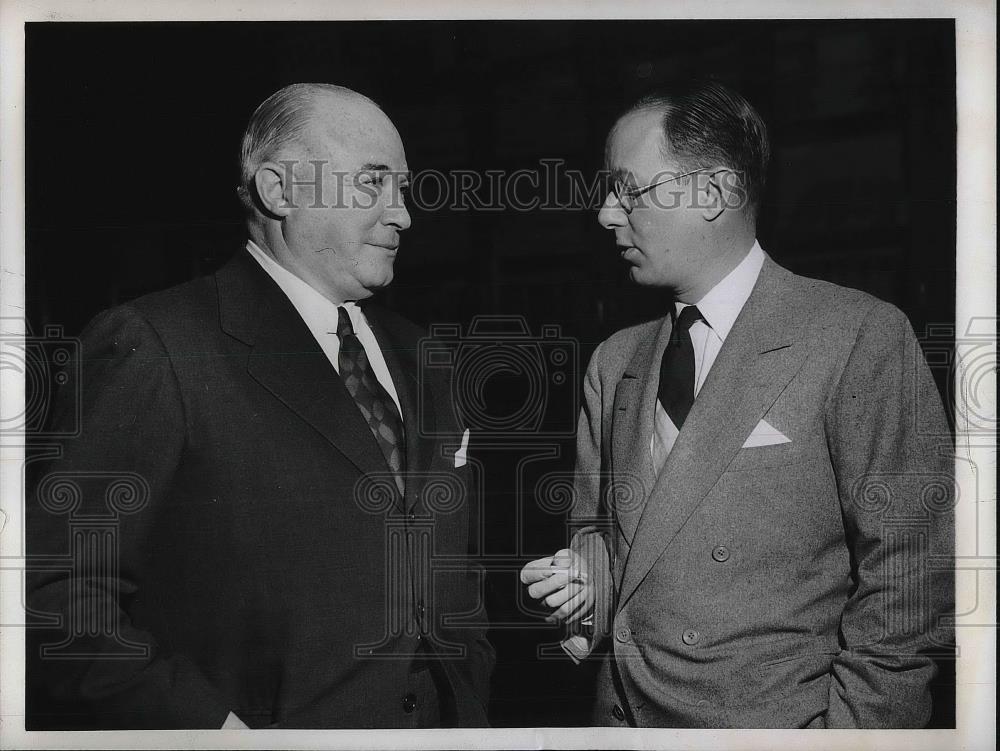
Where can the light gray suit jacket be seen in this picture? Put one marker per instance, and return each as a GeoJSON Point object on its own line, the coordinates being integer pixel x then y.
{"type": "Point", "coordinates": [799, 584]}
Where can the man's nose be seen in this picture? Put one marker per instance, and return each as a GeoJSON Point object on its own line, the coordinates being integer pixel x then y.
{"type": "Point", "coordinates": [611, 214]}
{"type": "Point", "coordinates": [396, 214]}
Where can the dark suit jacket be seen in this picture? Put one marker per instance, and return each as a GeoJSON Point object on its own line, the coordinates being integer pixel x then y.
{"type": "Point", "coordinates": [788, 585]}
{"type": "Point", "coordinates": [254, 556]}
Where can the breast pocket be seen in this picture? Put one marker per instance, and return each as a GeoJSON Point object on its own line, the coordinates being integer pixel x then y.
{"type": "Point", "coordinates": [779, 455]}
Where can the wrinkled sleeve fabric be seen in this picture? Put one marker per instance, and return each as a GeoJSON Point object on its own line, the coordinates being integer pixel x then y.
{"type": "Point", "coordinates": [589, 517]}
{"type": "Point", "coordinates": [892, 453]}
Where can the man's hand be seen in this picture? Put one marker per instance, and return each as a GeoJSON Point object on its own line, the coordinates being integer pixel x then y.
{"type": "Point", "coordinates": [561, 582]}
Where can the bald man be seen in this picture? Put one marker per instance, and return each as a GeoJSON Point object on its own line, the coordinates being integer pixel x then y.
{"type": "Point", "coordinates": [264, 423]}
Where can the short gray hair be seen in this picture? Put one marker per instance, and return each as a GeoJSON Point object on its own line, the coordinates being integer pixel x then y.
{"type": "Point", "coordinates": [279, 121]}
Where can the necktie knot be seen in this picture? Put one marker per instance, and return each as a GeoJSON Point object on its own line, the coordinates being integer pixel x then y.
{"type": "Point", "coordinates": [683, 323]}
{"type": "Point", "coordinates": [687, 318]}
{"type": "Point", "coordinates": [344, 326]}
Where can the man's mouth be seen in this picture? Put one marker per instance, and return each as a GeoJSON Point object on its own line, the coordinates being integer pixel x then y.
{"type": "Point", "coordinates": [629, 252]}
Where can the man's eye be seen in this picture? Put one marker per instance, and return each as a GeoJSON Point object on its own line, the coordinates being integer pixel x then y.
{"type": "Point", "coordinates": [371, 178]}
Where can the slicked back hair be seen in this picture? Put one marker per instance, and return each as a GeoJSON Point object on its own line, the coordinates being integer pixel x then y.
{"type": "Point", "coordinates": [278, 121]}
{"type": "Point", "coordinates": [707, 124]}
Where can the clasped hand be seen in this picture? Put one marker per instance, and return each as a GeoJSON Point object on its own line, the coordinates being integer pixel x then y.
{"type": "Point", "coordinates": [562, 582]}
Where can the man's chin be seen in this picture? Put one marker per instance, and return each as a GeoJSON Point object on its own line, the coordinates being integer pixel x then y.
{"type": "Point", "coordinates": [381, 282]}
{"type": "Point", "coordinates": [645, 278]}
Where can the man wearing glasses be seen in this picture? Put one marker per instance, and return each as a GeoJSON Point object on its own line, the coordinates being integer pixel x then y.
{"type": "Point", "coordinates": [763, 512]}
{"type": "Point", "coordinates": [272, 567]}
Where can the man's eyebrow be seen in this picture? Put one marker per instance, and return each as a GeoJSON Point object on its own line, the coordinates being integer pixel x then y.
{"type": "Point", "coordinates": [404, 176]}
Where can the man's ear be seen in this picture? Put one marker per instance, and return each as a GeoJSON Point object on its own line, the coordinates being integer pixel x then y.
{"type": "Point", "coordinates": [716, 192]}
{"type": "Point", "coordinates": [270, 181]}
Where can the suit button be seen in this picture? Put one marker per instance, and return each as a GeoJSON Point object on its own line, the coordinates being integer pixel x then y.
{"type": "Point", "coordinates": [409, 703]}
{"type": "Point", "coordinates": [618, 713]}
{"type": "Point", "coordinates": [721, 554]}
{"type": "Point", "coordinates": [691, 637]}
{"type": "Point", "coordinates": [623, 635]}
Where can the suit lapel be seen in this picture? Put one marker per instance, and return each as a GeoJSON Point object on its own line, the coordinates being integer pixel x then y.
{"type": "Point", "coordinates": [415, 400]}
{"type": "Point", "coordinates": [632, 428]}
{"type": "Point", "coordinates": [286, 360]}
{"type": "Point", "coordinates": [756, 362]}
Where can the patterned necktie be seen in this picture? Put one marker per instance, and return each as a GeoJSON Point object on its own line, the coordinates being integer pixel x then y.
{"type": "Point", "coordinates": [374, 402]}
{"type": "Point", "coordinates": [676, 392]}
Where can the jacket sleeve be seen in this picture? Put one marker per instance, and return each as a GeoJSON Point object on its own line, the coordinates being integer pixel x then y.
{"type": "Point", "coordinates": [92, 664]}
{"type": "Point", "coordinates": [892, 453]}
{"type": "Point", "coordinates": [589, 517]}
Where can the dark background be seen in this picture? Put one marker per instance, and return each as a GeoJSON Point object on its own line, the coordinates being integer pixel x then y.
{"type": "Point", "coordinates": [132, 138]}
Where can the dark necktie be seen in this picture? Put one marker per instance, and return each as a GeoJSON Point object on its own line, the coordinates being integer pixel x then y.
{"type": "Point", "coordinates": [374, 402]}
{"type": "Point", "coordinates": [676, 392]}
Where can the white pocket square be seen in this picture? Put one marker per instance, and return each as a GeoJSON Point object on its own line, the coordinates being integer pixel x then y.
{"type": "Point", "coordinates": [460, 455]}
{"type": "Point", "coordinates": [765, 434]}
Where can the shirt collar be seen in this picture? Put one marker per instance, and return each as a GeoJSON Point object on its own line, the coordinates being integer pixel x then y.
{"type": "Point", "coordinates": [318, 312]}
{"type": "Point", "coordinates": [722, 304]}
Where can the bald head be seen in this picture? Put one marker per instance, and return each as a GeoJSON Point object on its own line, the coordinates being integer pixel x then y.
{"type": "Point", "coordinates": [324, 177]}
{"type": "Point", "coordinates": [294, 117]}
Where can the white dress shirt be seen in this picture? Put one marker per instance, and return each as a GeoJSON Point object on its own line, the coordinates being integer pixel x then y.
{"type": "Point", "coordinates": [719, 308]}
{"type": "Point", "coordinates": [321, 317]}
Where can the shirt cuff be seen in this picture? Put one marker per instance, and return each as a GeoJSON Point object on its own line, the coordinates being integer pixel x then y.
{"type": "Point", "coordinates": [577, 647]}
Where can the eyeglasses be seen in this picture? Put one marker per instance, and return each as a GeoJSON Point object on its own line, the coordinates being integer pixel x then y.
{"type": "Point", "coordinates": [627, 196]}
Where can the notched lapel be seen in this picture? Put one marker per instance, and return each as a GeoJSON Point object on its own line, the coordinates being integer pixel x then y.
{"type": "Point", "coordinates": [632, 428]}
{"type": "Point", "coordinates": [626, 453]}
{"type": "Point", "coordinates": [287, 361]}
